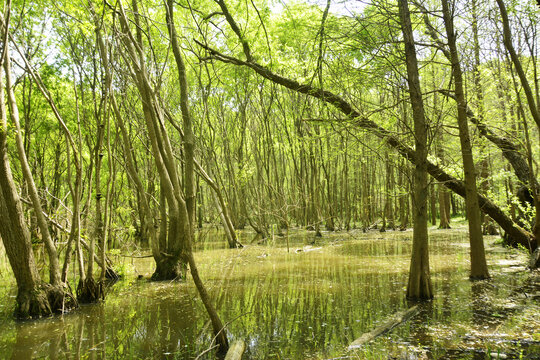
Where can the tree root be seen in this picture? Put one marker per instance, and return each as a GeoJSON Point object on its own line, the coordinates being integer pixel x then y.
{"type": "Point", "coordinates": [168, 268]}
{"type": "Point", "coordinates": [111, 275]}
{"type": "Point", "coordinates": [90, 291]}
{"type": "Point", "coordinates": [61, 298]}
{"type": "Point", "coordinates": [43, 301]}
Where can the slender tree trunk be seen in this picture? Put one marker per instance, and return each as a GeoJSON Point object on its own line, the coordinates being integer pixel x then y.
{"type": "Point", "coordinates": [34, 297]}
{"type": "Point", "coordinates": [54, 267]}
{"type": "Point", "coordinates": [419, 286]}
{"type": "Point", "coordinates": [222, 208]}
{"type": "Point", "coordinates": [189, 185]}
{"type": "Point", "coordinates": [433, 204]}
{"type": "Point", "coordinates": [479, 268]}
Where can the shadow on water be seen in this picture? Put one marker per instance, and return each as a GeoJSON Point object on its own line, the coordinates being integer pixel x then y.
{"type": "Point", "coordinates": [310, 302]}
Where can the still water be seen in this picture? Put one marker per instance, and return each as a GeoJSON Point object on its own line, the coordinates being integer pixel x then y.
{"type": "Point", "coordinates": [308, 303]}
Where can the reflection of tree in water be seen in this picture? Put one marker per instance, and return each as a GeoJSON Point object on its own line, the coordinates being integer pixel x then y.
{"type": "Point", "coordinates": [41, 337]}
{"type": "Point", "coordinates": [482, 306]}
{"type": "Point", "coordinates": [420, 335]}
{"type": "Point", "coordinates": [93, 334]}
{"type": "Point", "coordinates": [166, 327]}
{"type": "Point", "coordinates": [314, 305]}
{"type": "Point", "coordinates": [158, 325]}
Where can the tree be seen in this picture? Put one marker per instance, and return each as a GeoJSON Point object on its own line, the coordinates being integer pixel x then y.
{"type": "Point", "coordinates": [35, 298]}
{"type": "Point", "coordinates": [479, 268]}
{"type": "Point", "coordinates": [178, 198]}
{"type": "Point", "coordinates": [419, 286]}
{"type": "Point", "coordinates": [189, 184]}
{"type": "Point", "coordinates": [358, 120]}
{"type": "Point", "coordinates": [174, 228]}
{"type": "Point", "coordinates": [533, 108]}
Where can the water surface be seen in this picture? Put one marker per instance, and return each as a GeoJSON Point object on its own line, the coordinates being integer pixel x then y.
{"type": "Point", "coordinates": [310, 302]}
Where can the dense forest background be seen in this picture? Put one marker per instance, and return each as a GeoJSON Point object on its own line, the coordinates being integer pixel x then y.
{"type": "Point", "coordinates": [134, 124]}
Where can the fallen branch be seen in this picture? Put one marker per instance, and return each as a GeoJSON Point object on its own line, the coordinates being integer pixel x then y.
{"type": "Point", "coordinates": [138, 256]}
{"type": "Point", "coordinates": [236, 350]}
{"type": "Point", "coordinates": [394, 321]}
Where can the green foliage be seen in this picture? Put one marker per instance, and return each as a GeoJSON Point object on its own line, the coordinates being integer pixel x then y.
{"type": "Point", "coordinates": [279, 157]}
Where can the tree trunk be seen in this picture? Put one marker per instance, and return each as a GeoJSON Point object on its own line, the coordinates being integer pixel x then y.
{"type": "Point", "coordinates": [433, 204]}
{"type": "Point", "coordinates": [54, 267]}
{"type": "Point", "coordinates": [34, 298]}
{"type": "Point", "coordinates": [187, 214]}
{"type": "Point", "coordinates": [419, 286]}
{"type": "Point", "coordinates": [444, 208]}
{"type": "Point", "coordinates": [479, 268]}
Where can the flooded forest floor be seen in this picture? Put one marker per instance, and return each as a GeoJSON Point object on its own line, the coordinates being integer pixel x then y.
{"type": "Point", "coordinates": [306, 302]}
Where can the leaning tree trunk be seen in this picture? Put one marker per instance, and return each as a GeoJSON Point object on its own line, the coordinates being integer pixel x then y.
{"type": "Point", "coordinates": [189, 185]}
{"type": "Point", "coordinates": [515, 232]}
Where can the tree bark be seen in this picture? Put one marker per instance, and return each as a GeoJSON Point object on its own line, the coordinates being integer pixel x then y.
{"type": "Point", "coordinates": [189, 185]}
{"type": "Point", "coordinates": [34, 297]}
{"type": "Point", "coordinates": [479, 268]}
{"type": "Point", "coordinates": [419, 286]}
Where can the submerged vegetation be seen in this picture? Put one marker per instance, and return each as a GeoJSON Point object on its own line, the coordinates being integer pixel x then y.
{"type": "Point", "coordinates": [281, 178]}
